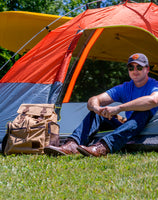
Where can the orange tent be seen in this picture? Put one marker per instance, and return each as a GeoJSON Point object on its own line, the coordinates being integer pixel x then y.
{"type": "Point", "coordinates": [110, 33]}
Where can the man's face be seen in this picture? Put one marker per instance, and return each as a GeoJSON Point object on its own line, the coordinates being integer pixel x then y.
{"type": "Point", "coordinates": [137, 73]}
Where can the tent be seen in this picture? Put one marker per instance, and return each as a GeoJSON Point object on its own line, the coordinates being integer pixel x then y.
{"type": "Point", "coordinates": [111, 33]}
{"type": "Point", "coordinates": [18, 27]}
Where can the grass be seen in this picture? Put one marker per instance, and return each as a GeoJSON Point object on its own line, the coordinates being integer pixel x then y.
{"type": "Point", "coordinates": [128, 176]}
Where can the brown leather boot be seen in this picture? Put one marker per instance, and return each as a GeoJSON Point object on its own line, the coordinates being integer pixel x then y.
{"type": "Point", "coordinates": [69, 148]}
{"type": "Point", "coordinates": [96, 150]}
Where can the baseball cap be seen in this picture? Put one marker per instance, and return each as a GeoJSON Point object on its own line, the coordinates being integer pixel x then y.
{"type": "Point", "coordinates": [139, 58]}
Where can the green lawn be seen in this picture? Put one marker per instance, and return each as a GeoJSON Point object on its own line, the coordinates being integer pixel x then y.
{"type": "Point", "coordinates": [129, 176]}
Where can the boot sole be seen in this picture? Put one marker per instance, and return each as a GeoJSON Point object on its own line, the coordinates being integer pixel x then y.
{"type": "Point", "coordinates": [84, 152]}
{"type": "Point", "coordinates": [50, 151]}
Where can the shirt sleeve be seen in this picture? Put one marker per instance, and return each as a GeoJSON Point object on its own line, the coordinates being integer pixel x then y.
{"type": "Point", "coordinates": [154, 89]}
{"type": "Point", "coordinates": [116, 93]}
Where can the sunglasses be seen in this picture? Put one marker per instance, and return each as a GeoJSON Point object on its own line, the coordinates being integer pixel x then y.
{"type": "Point", "coordinates": [131, 67]}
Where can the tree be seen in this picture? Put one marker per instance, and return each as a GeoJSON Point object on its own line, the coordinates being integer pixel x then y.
{"type": "Point", "coordinates": [58, 7]}
{"type": "Point", "coordinates": [40, 6]}
{"type": "Point", "coordinates": [5, 55]}
{"type": "Point", "coordinates": [96, 77]}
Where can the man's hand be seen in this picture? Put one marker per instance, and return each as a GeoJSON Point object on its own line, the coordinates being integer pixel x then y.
{"type": "Point", "coordinates": [110, 111]}
{"type": "Point", "coordinates": [98, 103]}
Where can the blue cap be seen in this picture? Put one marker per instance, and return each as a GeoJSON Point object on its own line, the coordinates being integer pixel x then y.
{"type": "Point", "coordinates": [139, 58]}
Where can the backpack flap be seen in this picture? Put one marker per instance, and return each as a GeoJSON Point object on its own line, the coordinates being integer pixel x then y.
{"type": "Point", "coordinates": [37, 109]}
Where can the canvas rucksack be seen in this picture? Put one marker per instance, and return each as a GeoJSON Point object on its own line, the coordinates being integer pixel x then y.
{"type": "Point", "coordinates": [33, 129]}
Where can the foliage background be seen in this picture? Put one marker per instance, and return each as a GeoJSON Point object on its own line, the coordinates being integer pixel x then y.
{"type": "Point", "coordinates": [96, 76]}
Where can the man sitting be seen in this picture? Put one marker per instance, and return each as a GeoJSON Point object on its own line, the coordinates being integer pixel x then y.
{"type": "Point", "coordinates": [139, 98]}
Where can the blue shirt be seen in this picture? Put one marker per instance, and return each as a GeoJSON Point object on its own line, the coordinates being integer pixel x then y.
{"type": "Point", "coordinates": [128, 91]}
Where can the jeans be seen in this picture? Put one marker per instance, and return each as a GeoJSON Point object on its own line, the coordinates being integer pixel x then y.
{"type": "Point", "coordinates": [116, 139]}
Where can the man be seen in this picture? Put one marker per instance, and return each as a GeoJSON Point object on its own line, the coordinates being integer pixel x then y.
{"type": "Point", "coordinates": [139, 99]}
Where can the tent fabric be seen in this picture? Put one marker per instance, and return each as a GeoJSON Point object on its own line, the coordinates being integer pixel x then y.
{"type": "Point", "coordinates": [54, 47]}
{"type": "Point", "coordinates": [46, 64]}
{"type": "Point", "coordinates": [71, 112]}
{"type": "Point", "coordinates": [18, 27]}
{"type": "Point", "coordinates": [116, 43]}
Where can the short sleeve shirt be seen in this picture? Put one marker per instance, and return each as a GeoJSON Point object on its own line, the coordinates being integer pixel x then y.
{"type": "Point", "coordinates": [128, 91]}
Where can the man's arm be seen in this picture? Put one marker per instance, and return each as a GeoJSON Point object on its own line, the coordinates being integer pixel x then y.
{"type": "Point", "coordinates": [142, 103]}
{"type": "Point", "coordinates": [139, 104]}
{"type": "Point", "coordinates": [96, 103]}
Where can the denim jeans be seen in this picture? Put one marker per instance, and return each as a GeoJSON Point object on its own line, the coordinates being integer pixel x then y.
{"type": "Point", "coordinates": [116, 139]}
